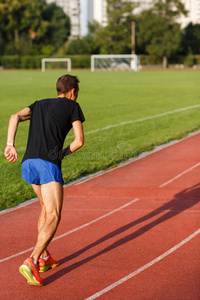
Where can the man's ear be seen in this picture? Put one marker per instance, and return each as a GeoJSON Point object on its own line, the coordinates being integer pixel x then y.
{"type": "Point", "coordinates": [73, 91]}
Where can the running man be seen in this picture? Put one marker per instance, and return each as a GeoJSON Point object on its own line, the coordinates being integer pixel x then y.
{"type": "Point", "coordinates": [50, 122]}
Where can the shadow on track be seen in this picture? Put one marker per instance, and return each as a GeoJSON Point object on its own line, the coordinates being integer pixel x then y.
{"type": "Point", "coordinates": [181, 202]}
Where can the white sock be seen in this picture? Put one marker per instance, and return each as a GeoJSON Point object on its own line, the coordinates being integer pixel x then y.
{"type": "Point", "coordinates": [34, 261]}
{"type": "Point", "coordinates": [45, 258]}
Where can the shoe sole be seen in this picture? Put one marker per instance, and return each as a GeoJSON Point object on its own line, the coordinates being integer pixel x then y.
{"type": "Point", "coordinates": [26, 272]}
{"type": "Point", "coordinates": [44, 269]}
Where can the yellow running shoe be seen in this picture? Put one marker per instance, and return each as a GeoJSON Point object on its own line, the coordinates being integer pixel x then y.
{"type": "Point", "coordinates": [50, 263]}
{"type": "Point", "coordinates": [31, 272]}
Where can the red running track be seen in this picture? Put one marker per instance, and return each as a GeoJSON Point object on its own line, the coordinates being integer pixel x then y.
{"type": "Point", "coordinates": [128, 233]}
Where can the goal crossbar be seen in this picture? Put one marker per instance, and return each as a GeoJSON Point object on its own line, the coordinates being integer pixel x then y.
{"type": "Point", "coordinates": [68, 60]}
{"type": "Point", "coordinates": [109, 57]}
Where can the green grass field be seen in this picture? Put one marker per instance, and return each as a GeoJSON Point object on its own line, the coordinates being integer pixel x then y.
{"type": "Point", "coordinates": [122, 111]}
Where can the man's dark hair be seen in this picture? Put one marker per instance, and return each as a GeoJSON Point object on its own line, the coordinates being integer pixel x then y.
{"type": "Point", "coordinates": [66, 83]}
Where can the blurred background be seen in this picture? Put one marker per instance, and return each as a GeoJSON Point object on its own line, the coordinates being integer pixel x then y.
{"type": "Point", "coordinates": [164, 33]}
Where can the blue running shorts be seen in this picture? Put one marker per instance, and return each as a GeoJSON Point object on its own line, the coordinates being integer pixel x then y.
{"type": "Point", "coordinates": [39, 171]}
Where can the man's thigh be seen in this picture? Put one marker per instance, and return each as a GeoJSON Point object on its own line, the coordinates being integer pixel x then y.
{"type": "Point", "coordinates": [52, 195]}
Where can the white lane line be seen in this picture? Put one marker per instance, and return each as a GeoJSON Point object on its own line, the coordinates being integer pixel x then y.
{"type": "Point", "coordinates": [133, 159]}
{"type": "Point", "coordinates": [142, 119]}
{"type": "Point", "coordinates": [179, 175]}
{"type": "Point", "coordinates": [98, 219]}
{"type": "Point", "coordinates": [73, 230]}
{"type": "Point", "coordinates": [17, 254]}
{"type": "Point", "coordinates": [151, 263]}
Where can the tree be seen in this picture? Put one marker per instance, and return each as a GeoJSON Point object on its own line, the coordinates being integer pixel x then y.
{"type": "Point", "coordinates": [57, 28]}
{"type": "Point", "coordinates": [87, 45]}
{"type": "Point", "coordinates": [169, 9]}
{"type": "Point", "coordinates": [158, 37]}
{"type": "Point", "coordinates": [28, 25]}
{"type": "Point", "coordinates": [20, 15]}
{"type": "Point", "coordinates": [19, 22]}
{"type": "Point", "coordinates": [191, 39]}
{"type": "Point", "coordinates": [159, 34]}
{"type": "Point", "coordinates": [116, 36]}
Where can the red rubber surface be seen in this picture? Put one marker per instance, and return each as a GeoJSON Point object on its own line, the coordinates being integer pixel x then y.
{"type": "Point", "coordinates": [104, 251]}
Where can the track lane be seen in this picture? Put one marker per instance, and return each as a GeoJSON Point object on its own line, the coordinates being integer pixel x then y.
{"type": "Point", "coordinates": [108, 250]}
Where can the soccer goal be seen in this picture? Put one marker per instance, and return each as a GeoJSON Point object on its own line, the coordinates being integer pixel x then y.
{"type": "Point", "coordinates": [115, 62]}
{"type": "Point", "coordinates": [56, 60]}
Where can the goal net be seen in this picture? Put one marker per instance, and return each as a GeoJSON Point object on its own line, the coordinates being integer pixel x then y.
{"type": "Point", "coordinates": [115, 62]}
{"type": "Point", "coordinates": [57, 63]}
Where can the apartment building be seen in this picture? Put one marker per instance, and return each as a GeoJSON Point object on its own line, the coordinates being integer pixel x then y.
{"type": "Point", "coordinates": [193, 8]}
{"type": "Point", "coordinates": [97, 10]}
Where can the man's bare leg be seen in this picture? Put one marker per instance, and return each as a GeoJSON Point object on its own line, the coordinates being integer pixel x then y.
{"type": "Point", "coordinates": [51, 195]}
{"type": "Point", "coordinates": [42, 217]}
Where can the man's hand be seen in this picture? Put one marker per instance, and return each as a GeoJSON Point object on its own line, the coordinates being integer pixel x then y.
{"type": "Point", "coordinates": [11, 153]}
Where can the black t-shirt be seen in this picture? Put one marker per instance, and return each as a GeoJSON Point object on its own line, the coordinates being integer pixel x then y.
{"type": "Point", "coordinates": [51, 120]}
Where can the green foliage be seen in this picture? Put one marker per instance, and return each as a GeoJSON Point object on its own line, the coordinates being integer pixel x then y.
{"type": "Point", "coordinates": [10, 62]}
{"type": "Point", "coordinates": [31, 27]}
{"type": "Point", "coordinates": [89, 44]}
{"type": "Point", "coordinates": [47, 50]}
{"type": "Point", "coordinates": [20, 62]}
{"type": "Point", "coordinates": [80, 61]}
{"type": "Point", "coordinates": [34, 62]}
{"type": "Point", "coordinates": [57, 27]}
{"type": "Point", "coordinates": [26, 26]}
{"type": "Point", "coordinates": [86, 45]}
{"type": "Point", "coordinates": [116, 36]}
{"type": "Point", "coordinates": [191, 39]}
{"type": "Point", "coordinates": [157, 36]}
{"type": "Point", "coordinates": [169, 9]}
{"type": "Point", "coordinates": [19, 18]}
{"type": "Point", "coordinates": [158, 33]}
{"type": "Point", "coordinates": [189, 60]}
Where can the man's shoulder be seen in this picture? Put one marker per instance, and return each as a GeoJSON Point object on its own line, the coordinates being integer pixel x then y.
{"type": "Point", "coordinates": [47, 102]}
{"type": "Point", "coordinates": [41, 101]}
{"type": "Point", "coordinates": [56, 103]}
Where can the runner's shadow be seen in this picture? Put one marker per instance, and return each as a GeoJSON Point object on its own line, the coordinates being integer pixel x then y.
{"type": "Point", "coordinates": [181, 202]}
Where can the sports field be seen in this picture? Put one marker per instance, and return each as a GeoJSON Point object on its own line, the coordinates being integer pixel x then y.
{"type": "Point", "coordinates": [126, 114]}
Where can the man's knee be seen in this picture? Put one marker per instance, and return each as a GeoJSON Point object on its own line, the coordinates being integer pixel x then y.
{"type": "Point", "coordinates": [53, 216]}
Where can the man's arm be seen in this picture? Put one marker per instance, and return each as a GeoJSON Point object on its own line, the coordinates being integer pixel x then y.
{"type": "Point", "coordinates": [78, 140]}
{"type": "Point", "coordinates": [10, 151]}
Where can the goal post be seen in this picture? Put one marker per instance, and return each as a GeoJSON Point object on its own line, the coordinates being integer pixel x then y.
{"type": "Point", "coordinates": [115, 62]}
{"type": "Point", "coordinates": [67, 60]}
